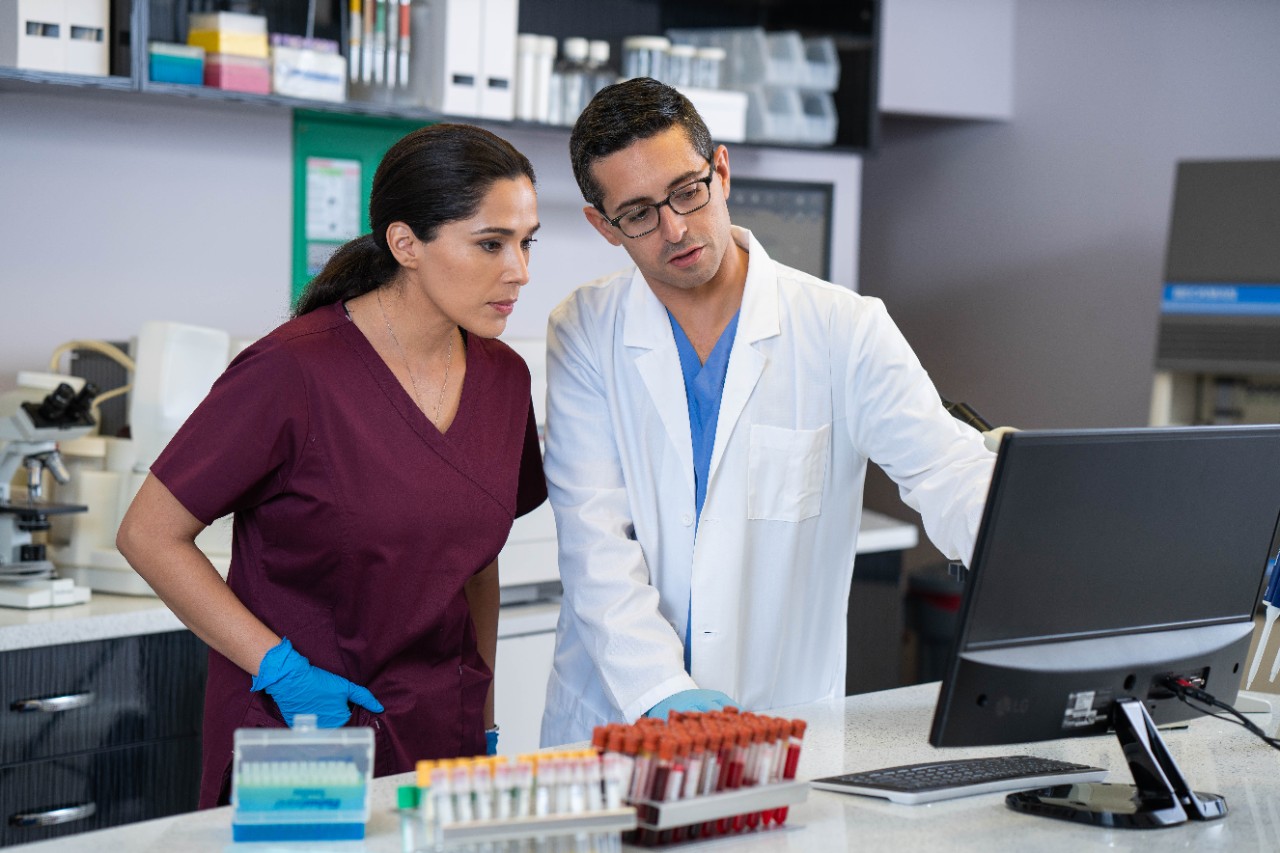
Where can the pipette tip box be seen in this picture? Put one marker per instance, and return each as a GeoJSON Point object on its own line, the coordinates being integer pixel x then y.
{"type": "Point", "coordinates": [301, 784]}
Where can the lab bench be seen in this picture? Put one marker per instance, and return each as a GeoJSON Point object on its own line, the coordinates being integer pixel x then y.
{"type": "Point", "coordinates": [880, 729]}
{"type": "Point", "coordinates": [133, 677]}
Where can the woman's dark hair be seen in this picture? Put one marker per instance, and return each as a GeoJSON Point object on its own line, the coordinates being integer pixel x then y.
{"type": "Point", "coordinates": [435, 175]}
{"type": "Point", "coordinates": [622, 113]}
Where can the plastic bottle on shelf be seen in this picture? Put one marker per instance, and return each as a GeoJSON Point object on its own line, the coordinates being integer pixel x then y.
{"type": "Point", "coordinates": [600, 74]}
{"type": "Point", "coordinates": [679, 70]}
{"type": "Point", "coordinates": [708, 67]}
{"type": "Point", "coordinates": [573, 79]}
{"type": "Point", "coordinates": [527, 49]}
{"type": "Point", "coordinates": [542, 94]}
{"type": "Point", "coordinates": [645, 56]}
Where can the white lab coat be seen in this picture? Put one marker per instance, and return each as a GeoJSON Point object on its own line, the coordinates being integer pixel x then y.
{"type": "Point", "coordinates": [819, 381]}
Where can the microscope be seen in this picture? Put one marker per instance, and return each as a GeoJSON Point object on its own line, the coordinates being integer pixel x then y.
{"type": "Point", "coordinates": [29, 432]}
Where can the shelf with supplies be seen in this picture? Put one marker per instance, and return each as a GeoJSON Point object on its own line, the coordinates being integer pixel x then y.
{"type": "Point", "coordinates": [136, 28]}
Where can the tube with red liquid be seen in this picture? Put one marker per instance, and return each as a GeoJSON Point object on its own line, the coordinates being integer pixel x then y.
{"type": "Point", "coordinates": [792, 761]}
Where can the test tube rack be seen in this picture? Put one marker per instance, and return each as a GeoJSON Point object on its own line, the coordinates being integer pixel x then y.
{"type": "Point", "coordinates": [662, 823]}
{"type": "Point", "coordinates": [603, 822]}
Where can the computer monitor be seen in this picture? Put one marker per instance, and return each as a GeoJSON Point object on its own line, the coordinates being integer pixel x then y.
{"type": "Point", "coordinates": [792, 219]}
{"type": "Point", "coordinates": [1106, 562]}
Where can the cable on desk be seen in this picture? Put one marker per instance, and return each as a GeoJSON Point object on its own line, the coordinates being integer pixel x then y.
{"type": "Point", "coordinates": [1188, 692]}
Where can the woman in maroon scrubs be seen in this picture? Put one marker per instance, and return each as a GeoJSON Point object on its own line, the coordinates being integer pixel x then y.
{"type": "Point", "coordinates": [374, 450]}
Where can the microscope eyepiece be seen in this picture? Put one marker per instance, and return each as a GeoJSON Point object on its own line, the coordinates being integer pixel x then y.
{"type": "Point", "coordinates": [78, 409]}
{"type": "Point", "coordinates": [55, 403]}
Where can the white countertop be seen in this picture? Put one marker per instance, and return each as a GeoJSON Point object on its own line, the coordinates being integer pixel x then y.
{"type": "Point", "coordinates": [863, 732]}
{"type": "Point", "coordinates": [107, 616]}
{"type": "Point", "coordinates": [103, 617]}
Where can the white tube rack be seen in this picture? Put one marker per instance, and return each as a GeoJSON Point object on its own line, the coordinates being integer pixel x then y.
{"type": "Point", "coordinates": [512, 829]}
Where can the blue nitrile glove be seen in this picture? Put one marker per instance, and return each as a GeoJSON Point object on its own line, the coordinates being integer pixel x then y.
{"type": "Point", "coordinates": [491, 741]}
{"type": "Point", "coordinates": [691, 700]}
{"type": "Point", "coordinates": [300, 688]}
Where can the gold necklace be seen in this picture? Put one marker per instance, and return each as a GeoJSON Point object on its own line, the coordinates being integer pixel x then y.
{"type": "Point", "coordinates": [413, 380]}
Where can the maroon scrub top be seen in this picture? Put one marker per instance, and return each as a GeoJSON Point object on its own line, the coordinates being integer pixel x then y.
{"type": "Point", "coordinates": [357, 523]}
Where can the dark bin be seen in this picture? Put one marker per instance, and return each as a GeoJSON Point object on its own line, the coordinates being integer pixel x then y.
{"type": "Point", "coordinates": [933, 615]}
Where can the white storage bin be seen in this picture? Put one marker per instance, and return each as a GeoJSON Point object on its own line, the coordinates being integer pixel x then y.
{"type": "Point", "coordinates": [820, 119]}
{"type": "Point", "coordinates": [821, 64]}
{"type": "Point", "coordinates": [746, 52]}
{"type": "Point", "coordinates": [723, 111]}
{"type": "Point", "coordinates": [756, 58]}
{"type": "Point", "coordinates": [774, 114]}
{"type": "Point", "coordinates": [785, 65]}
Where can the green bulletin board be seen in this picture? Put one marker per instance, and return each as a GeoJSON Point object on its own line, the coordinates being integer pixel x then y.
{"type": "Point", "coordinates": [334, 158]}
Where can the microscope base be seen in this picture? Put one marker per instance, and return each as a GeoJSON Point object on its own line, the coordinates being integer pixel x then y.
{"type": "Point", "coordinates": [34, 595]}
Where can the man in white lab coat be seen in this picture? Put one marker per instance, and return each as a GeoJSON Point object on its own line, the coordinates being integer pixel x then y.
{"type": "Point", "coordinates": [710, 415]}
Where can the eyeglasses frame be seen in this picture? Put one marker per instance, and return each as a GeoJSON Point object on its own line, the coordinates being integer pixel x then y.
{"type": "Point", "coordinates": [666, 202]}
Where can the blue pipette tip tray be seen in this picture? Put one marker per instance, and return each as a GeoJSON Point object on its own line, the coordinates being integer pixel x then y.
{"type": "Point", "coordinates": [297, 831]}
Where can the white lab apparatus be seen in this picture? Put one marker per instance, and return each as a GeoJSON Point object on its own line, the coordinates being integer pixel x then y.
{"type": "Point", "coordinates": [175, 366]}
{"type": "Point", "coordinates": [528, 48]}
{"type": "Point", "coordinates": [69, 36]}
{"type": "Point", "coordinates": [32, 423]}
{"type": "Point", "coordinates": [498, 59]}
{"type": "Point", "coordinates": [465, 60]}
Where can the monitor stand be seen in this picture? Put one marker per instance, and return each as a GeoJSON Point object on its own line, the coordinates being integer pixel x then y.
{"type": "Point", "coordinates": [1160, 797]}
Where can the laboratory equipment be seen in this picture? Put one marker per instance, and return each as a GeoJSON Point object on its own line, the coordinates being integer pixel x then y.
{"type": "Point", "coordinates": [301, 784]}
{"type": "Point", "coordinates": [463, 57]}
{"type": "Point", "coordinates": [174, 366]}
{"type": "Point", "coordinates": [30, 430]}
{"type": "Point", "coordinates": [1102, 588]}
{"type": "Point", "coordinates": [55, 35]}
{"type": "Point", "coordinates": [1217, 355]}
{"type": "Point", "coordinates": [551, 800]}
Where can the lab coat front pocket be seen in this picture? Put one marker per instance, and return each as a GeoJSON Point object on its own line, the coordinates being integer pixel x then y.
{"type": "Point", "coordinates": [785, 472]}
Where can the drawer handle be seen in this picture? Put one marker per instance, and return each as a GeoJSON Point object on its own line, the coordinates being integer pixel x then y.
{"type": "Point", "coordinates": [52, 817]}
{"type": "Point", "coordinates": [53, 704]}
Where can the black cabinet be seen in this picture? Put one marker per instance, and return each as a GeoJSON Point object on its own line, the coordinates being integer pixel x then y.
{"type": "Point", "coordinates": [100, 733]}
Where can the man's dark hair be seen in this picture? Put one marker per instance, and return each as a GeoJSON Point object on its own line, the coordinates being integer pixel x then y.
{"type": "Point", "coordinates": [622, 113]}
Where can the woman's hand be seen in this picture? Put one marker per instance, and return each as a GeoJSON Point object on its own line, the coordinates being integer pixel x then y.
{"type": "Point", "coordinates": [300, 688]}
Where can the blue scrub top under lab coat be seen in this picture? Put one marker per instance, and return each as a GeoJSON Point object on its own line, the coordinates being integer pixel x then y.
{"type": "Point", "coordinates": [703, 389]}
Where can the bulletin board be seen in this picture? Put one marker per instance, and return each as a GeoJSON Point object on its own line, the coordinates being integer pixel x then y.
{"type": "Point", "coordinates": [334, 158]}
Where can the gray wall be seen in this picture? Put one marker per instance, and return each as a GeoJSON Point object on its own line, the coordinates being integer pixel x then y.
{"type": "Point", "coordinates": [121, 210]}
{"type": "Point", "coordinates": [1023, 260]}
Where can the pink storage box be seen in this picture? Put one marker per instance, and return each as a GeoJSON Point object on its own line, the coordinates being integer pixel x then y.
{"type": "Point", "coordinates": [238, 73]}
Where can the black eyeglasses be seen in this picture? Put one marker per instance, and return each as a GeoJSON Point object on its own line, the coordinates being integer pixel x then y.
{"type": "Point", "coordinates": [645, 219]}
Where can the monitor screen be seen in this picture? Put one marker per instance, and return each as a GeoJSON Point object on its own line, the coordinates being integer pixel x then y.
{"type": "Point", "coordinates": [1108, 561]}
{"type": "Point", "coordinates": [792, 219]}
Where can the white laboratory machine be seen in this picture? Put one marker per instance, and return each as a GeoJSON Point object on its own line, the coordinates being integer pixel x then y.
{"type": "Point", "coordinates": [173, 367]}
{"type": "Point", "coordinates": [31, 425]}
{"type": "Point", "coordinates": [1218, 350]}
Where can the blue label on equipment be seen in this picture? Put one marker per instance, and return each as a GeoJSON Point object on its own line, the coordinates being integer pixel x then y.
{"type": "Point", "coordinates": [1220, 298]}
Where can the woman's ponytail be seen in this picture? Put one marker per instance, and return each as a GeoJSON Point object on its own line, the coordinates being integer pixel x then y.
{"type": "Point", "coordinates": [359, 266]}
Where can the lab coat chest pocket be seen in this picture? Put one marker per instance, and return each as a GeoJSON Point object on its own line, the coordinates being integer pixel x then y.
{"type": "Point", "coordinates": [785, 472]}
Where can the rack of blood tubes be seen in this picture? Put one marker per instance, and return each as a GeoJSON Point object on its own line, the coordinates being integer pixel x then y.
{"type": "Point", "coordinates": [538, 803]}
{"type": "Point", "coordinates": [695, 776]}
{"type": "Point", "coordinates": [705, 775]}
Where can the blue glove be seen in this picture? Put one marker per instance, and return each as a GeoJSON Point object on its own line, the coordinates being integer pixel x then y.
{"type": "Point", "coordinates": [300, 688]}
{"type": "Point", "coordinates": [691, 700]}
{"type": "Point", "coordinates": [491, 741]}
